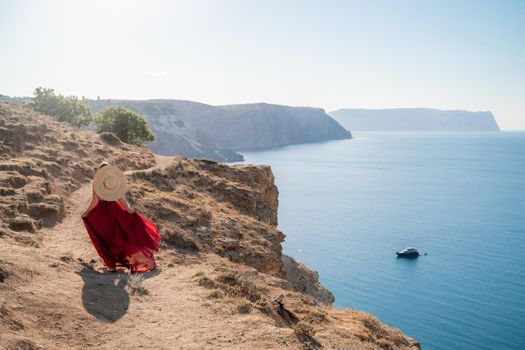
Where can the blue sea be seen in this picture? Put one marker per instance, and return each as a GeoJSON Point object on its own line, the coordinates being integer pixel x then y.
{"type": "Point", "coordinates": [347, 206]}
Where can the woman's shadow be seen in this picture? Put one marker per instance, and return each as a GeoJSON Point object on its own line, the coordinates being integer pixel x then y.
{"type": "Point", "coordinates": [104, 295]}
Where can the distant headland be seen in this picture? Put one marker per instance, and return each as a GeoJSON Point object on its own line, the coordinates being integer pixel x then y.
{"type": "Point", "coordinates": [415, 119]}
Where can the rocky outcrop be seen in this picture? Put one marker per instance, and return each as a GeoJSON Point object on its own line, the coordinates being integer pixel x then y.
{"type": "Point", "coordinates": [306, 281]}
{"type": "Point", "coordinates": [415, 119]}
{"type": "Point", "coordinates": [198, 130]}
{"type": "Point", "coordinates": [204, 206]}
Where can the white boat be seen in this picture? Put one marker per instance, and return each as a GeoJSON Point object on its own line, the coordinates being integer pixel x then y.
{"type": "Point", "coordinates": [408, 252]}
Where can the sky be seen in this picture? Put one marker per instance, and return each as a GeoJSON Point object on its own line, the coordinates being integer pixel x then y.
{"type": "Point", "coordinates": [332, 54]}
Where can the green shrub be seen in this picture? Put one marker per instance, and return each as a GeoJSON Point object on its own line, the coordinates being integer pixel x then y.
{"type": "Point", "coordinates": [127, 125]}
{"type": "Point", "coordinates": [64, 108]}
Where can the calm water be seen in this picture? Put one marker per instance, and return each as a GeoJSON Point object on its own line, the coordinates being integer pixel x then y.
{"type": "Point", "coordinates": [347, 206]}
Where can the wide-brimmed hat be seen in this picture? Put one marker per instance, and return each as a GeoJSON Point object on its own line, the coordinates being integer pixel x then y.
{"type": "Point", "coordinates": [110, 183]}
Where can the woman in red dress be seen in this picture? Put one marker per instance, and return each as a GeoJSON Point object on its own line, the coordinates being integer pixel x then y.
{"type": "Point", "coordinates": [121, 236]}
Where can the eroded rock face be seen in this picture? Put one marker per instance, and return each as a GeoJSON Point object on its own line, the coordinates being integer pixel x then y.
{"type": "Point", "coordinates": [306, 281]}
{"type": "Point", "coordinates": [205, 206]}
{"type": "Point", "coordinates": [43, 160]}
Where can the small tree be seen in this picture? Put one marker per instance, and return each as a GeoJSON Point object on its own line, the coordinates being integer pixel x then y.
{"type": "Point", "coordinates": [129, 126]}
{"type": "Point", "coordinates": [64, 108]}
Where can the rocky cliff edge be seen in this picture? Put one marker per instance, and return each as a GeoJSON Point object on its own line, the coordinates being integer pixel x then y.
{"type": "Point", "coordinates": [222, 280]}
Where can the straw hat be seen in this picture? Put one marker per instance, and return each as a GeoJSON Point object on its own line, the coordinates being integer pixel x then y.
{"type": "Point", "coordinates": [110, 183]}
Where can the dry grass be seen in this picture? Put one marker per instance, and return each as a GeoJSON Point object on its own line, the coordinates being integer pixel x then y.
{"type": "Point", "coordinates": [232, 283]}
{"type": "Point", "coordinates": [356, 328]}
{"type": "Point", "coordinates": [305, 333]}
{"type": "Point", "coordinates": [198, 273]}
{"type": "Point", "coordinates": [206, 282]}
{"type": "Point", "coordinates": [90, 265]}
{"type": "Point", "coordinates": [304, 329]}
{"type": "Point", "coordinates": [238, 285]}
{"type": "Point", "coordinates": [3, 275]}
{"type": "Point", "coordinates": [216, 294]}
{"type": "Point", "coordinates": [244, 308]}
{"type": "Point", "coordinates": [135, 285]}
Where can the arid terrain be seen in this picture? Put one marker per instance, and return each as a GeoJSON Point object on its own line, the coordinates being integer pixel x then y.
{"type": "Point", "coordinates": [222, 281]}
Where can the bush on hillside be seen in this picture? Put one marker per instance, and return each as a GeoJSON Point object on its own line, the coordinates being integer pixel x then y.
{"type": "Point", "coordinates": [127, 125]}
{"type": "Point", "coordinates": [64, 108]}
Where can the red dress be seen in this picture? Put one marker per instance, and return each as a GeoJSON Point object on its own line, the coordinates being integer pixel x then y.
{"type": "Point", "coordinates": [121, 238]}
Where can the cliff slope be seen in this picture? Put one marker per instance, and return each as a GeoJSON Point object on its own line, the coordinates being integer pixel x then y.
{"type": "Point", "coordinates": [174, 133]}
{"type": "Point", "coordinates": [221, 282]}
{"type": "Point", "coordinates": [415, 119]}
{"type": "Point", "coordinates": [198, 130]}
{"type": "Point", "coordinates": [262, 125]}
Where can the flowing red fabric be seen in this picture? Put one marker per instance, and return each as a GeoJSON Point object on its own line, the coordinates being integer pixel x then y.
{"type": "Point", "coordinates": [121, 238]}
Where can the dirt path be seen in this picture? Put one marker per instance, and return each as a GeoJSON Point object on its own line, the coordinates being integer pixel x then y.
{"type": "Point", "coordinates": [78, 308]}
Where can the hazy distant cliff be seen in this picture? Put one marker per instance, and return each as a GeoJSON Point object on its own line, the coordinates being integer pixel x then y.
{"type": "Point", "coordinates": [415, 119]}
{"type": "Point", "coordinates": [261, 125]}
{"type": "Point", "coordinates": [199, 130]}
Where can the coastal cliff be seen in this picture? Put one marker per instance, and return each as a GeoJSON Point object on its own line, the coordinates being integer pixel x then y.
{"type": "Point", "coordinates": [263, 125]}
{"type": "Point", "coordinates": [415, 119]}
{"type": "Point", "coordinates": [198, 130]}
{"type": "Point", "coordinates": [222, 280]}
